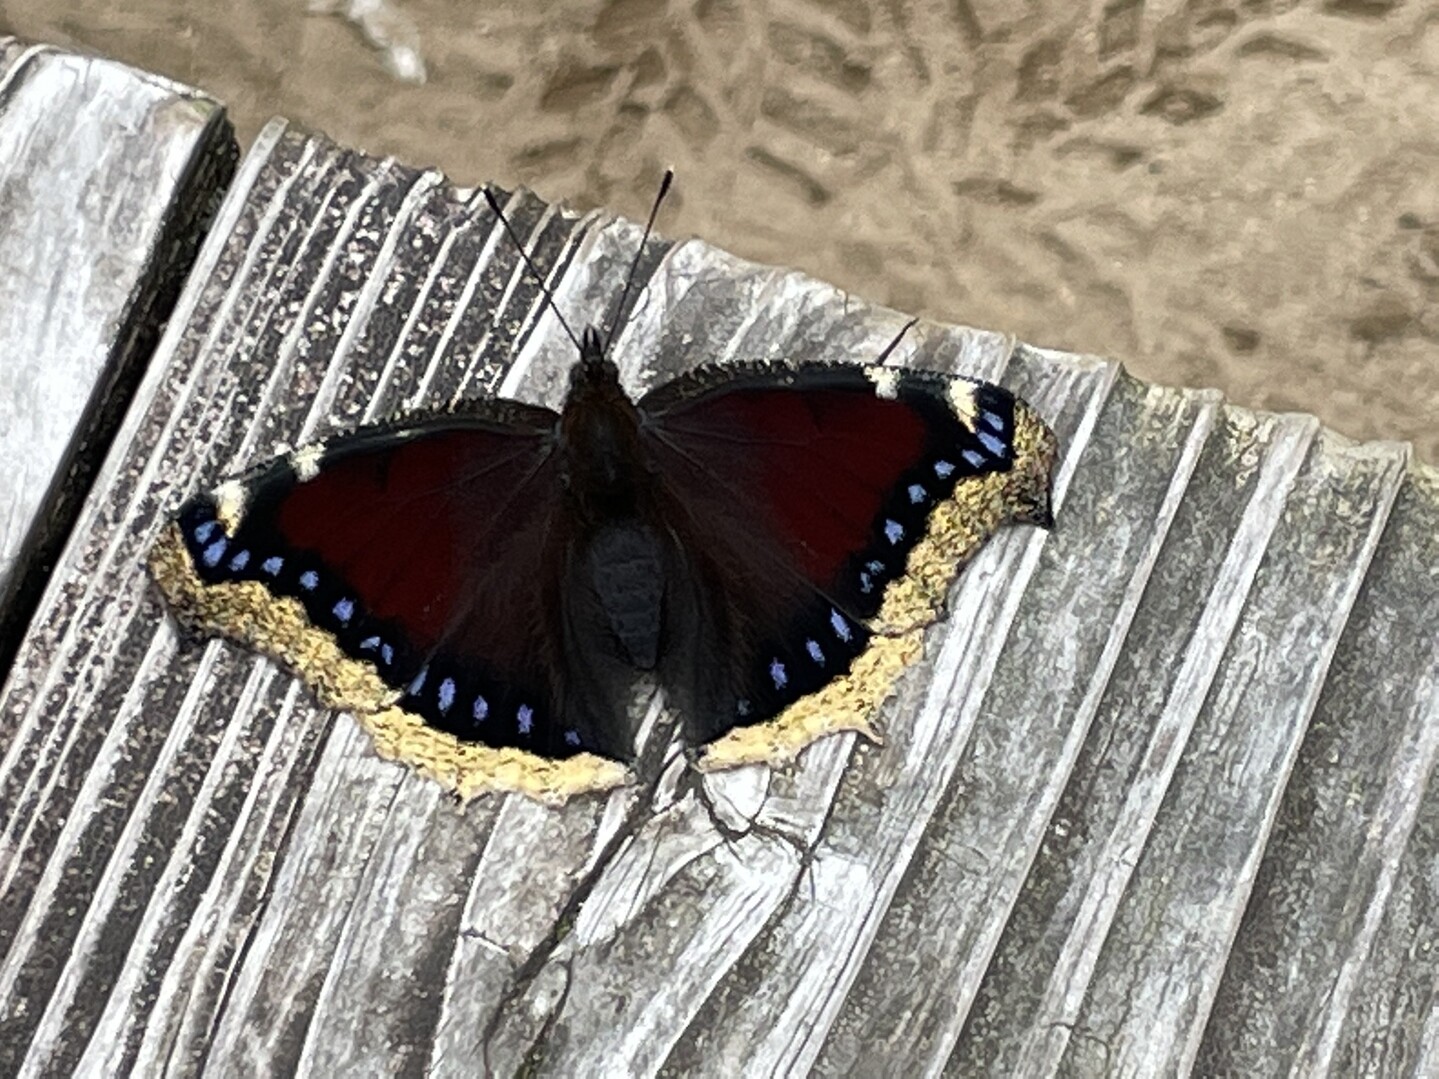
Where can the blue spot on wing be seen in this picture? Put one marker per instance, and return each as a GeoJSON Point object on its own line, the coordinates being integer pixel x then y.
{"type": "Point", "coordinates": [212, 554]}
{"type": "Point", "coordinates": [992, 444]}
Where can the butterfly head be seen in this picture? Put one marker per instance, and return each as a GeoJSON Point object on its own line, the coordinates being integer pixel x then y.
{"type": "Point", "coordinates": [595, 375]}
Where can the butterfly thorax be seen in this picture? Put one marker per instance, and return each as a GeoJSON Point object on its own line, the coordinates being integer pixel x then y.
{"type": "Point", "coordinates": [602, 458]}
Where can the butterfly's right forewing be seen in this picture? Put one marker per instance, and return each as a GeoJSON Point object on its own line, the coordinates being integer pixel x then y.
{"type": "Point", "coordinates": [822, 512]}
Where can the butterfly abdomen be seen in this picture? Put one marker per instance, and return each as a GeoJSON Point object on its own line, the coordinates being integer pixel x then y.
{"type": "Point", "coordinates": [625, 564]}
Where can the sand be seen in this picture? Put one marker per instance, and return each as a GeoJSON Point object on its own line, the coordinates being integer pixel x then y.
{"type": "Point", "coordinates": [1232, 194]}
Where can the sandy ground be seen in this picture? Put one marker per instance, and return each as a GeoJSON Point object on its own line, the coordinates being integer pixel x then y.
{"type": "Point", "coordinates": [1241, 193]}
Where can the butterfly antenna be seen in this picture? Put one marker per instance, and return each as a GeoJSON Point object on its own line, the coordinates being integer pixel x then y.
{"type": "Point", "coordinates": [639, 253]}
{"type": "Point", "coordinates": [529, 262]}
{"type": "Point", "coordinates": [895, 343]}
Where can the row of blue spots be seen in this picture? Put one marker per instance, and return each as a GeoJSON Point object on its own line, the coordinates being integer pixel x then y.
{"type": "Point", "coordinates": [480, 710]}
{"type": "Point", "coordinates": [375, 644]}
{"type": "Point", "coordinates": [997, 447]}
{"type": "Point", "coordinates": [780, 676]}
{"type": "Point", "coordinates": [214, 549]}
{"type": "Point", "coordinates": [918, 494]}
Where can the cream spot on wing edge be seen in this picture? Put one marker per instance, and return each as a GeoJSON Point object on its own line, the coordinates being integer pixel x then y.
{"type": "Point", "coordinates": [306, 461]}
{"type": "Point", "coordinates": [230, 499]}
{"type": "Point", "coordinates": [246, 612]}
{"type": "Point", "coordinates": [886, 381]}
{"type": "Point", "coordinates": [957, 529]}
{"type": "Point", "coordinates": [961, 399]}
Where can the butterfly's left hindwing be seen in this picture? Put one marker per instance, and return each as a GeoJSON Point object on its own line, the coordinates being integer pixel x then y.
{"type": "Point", "coordinates": [826, 511]}
{"type": "Point", "coordinates": [412, 575]}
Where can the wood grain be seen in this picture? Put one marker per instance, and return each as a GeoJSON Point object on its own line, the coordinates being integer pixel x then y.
{"type": "Point", "coordinates": [106, 177]}
{"type": "Point", "coordinates": [1074, 852]}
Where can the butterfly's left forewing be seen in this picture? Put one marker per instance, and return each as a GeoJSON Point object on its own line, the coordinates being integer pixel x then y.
{"type": "Point", "coordinates": [407, 574]}
{"type": "Point", "coordinates": [824, 512]}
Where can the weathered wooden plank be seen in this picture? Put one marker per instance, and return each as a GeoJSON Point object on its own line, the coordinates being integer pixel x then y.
{"type": "Point", "coordinates": [201, 871]}
{"type": "Point", "coordinates": [1341, 849]}
{"type": "Point", "coordinates": [1044, 962]}
{"type": "Point", "coordinates": [1072, 626]}
{"type": "Point", "coordinates": [1148, 1001]}
{"type": "Point", "coordinates": [106, 178]}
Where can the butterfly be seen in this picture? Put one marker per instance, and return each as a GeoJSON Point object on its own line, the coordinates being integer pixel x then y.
{"type": "Point", "coordinates": [481, 587]}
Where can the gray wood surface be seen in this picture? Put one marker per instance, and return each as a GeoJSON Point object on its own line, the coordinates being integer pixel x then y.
{"type": "Point", "coordinates": [1155, 802]}
{"type": "Point", "coordinates": [106, 174]}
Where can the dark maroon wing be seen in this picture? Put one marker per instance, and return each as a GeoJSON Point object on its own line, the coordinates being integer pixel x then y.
{"type": "Point", "coordinates": [433, 553]}
{"type": "Point", "coordinates": [797, 495]}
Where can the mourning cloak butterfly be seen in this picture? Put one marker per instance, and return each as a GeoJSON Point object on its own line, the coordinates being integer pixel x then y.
{"type": "Point", "coordinates": [481, 587]}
